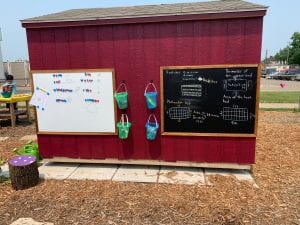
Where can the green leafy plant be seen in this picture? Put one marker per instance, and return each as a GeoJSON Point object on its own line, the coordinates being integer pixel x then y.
{"type": "Point", "coordinates": [2, 162]}
{"type": "Point", "coordinates": [5, 180]}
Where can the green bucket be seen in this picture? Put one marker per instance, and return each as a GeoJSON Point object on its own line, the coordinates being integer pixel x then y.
{"type": "Point", "coordinates": [123, 127]}
{"type": "Point", "coordinates": [122, 100]}
{"type": "Point", "coordinates": [122, 97]}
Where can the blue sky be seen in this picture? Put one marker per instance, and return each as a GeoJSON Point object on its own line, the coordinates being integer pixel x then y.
{"type": "Point", "coordinates": [282, 20]}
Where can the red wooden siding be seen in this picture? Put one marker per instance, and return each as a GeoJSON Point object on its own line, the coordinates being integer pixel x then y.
{"type": "Point", "coordinates": [137, 51]}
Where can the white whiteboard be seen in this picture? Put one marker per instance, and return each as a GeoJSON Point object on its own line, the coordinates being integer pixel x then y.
{"type": "Point", "coordinates": [78, 101]}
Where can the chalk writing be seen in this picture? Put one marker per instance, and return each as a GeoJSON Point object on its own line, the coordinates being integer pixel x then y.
{"type": "Point", "coordinates": [236, 85]}
{"type": "Point", "coordinates": [178, 102]}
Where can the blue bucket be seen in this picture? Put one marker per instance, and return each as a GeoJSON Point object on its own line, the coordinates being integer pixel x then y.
{"type": "Point", "coordinates": [151, 96]}
{"type": "Point", "coordinates": [151, 100]}
{"type": "Point", "coordinates": [151, 128]}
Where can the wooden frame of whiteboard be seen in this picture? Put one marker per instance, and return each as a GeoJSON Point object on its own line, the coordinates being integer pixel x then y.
{"type": "Point", "coordinates": [74, 71]}
{"type": "Point", "coordinates": [162, 68]}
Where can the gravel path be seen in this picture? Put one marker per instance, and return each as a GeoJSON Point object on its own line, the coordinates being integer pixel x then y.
{"type": "Point", "coordinates": [278, 105]}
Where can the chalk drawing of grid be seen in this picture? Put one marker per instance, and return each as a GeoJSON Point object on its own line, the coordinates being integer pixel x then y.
{"type": "Point", "coordinates": [179, 113]}
{"type": "Point", "coordinates": [235, 114]}
{"type": "Point", "coordinates": [192, 90]}
{"type": "Point", "coordinates": [236, 85]}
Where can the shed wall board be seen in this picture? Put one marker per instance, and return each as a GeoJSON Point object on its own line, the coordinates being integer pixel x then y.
{"type": "Point", "coordinates": [137, 51]}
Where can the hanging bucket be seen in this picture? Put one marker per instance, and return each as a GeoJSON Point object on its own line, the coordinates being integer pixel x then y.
{"type": "Point", "coordinates": [122, 97]}
{"type": "Point", "coordinates": [6, 91]}
{"type": "Point", "coordinates": [123, 127]}
{"type": "Point", "coordinates": [151, 128]}
{"type": "Point", "coordinates": [6, 94]}
{"type": "Point", "coordinates": [151, 97]}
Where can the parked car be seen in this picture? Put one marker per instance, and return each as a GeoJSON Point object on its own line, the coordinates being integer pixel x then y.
{"type": "Point", "coordinates": [271, 75]}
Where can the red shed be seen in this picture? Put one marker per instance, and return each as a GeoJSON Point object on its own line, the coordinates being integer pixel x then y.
{"type": "Point", "coordinates": [217, 43]}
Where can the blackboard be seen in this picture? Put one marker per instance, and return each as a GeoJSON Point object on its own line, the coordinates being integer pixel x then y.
{"type": "Point", "coordinates": [209, 100]}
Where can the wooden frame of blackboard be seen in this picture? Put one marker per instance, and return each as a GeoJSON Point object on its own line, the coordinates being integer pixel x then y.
{"type": "Point", "coordinates": [254, 134]}
{"type": "Point", "coordinates": [71, 71]}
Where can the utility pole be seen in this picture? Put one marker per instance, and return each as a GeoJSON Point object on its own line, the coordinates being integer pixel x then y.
{"type": "Point", "coordinates": [1, 60]}
{"type": "Point", "coordinates": [288, 53]}
{"type": "Point", "coordinates": [266, 57]}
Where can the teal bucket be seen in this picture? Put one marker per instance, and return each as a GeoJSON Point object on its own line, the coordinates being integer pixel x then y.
{"type": "Point", "coordinates": [151, 100]}
{"type": "Point", "coordinates": [151, 128]}
{"type": "Point", "coordinates": [122, 100]}
{"type": "Point", "coordinates": [6, 94]}
{"type": "Point", "coordinates": [151, 96]}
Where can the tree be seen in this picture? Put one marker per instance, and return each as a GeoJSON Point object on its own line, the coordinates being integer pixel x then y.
{"type": "Point", "coordinates": [282, 55]}
{"type": "Point", "coordinates": [294, 51]}
{"type": "Point", "coordinates": [291, 53]}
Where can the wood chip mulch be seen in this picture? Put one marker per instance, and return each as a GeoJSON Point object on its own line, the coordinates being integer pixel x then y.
{"type": "Point", "coordinates": [227, 202]}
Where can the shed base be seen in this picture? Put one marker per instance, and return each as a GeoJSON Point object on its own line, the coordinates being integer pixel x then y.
{"type": "Point", "coordinates": [153, 163]}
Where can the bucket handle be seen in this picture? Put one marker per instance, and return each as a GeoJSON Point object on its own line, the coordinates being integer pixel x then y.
{"type": "Point", "coordinates": [148, 85]}
{"type": "Point", "coordinates": [154, 117]}
{"type": "Point", "coordinates": [121, 85]}
{"type": "Point", "coordinates": [122, 119]}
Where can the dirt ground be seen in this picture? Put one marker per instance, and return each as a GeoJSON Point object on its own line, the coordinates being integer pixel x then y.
{"type": "Point", "coordinates": [227, 202]}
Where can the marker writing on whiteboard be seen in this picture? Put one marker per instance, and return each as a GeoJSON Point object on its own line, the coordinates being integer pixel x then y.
{"type": "Point", "coordinates": [62, 90]}
{"type": "Point", "coordinates": [92, 100]}
{"type": "Point", "coordinates": [57, 75]}
{"type": "Point", "coordinates": [86, 80]}
{"type": "Point", "coordinates": [43, 90]}
{"type": "Point", "coordinates": [61, 100]}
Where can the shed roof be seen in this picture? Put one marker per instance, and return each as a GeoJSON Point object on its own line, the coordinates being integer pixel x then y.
{"type": "Point", "coordinates": [223, 6]}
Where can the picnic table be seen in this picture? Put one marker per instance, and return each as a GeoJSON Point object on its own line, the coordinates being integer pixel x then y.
{"type": "Point", "coordinates": [12, 113]}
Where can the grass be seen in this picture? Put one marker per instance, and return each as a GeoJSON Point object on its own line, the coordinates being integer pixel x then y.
{"type": "Point", "coordinates": [280, 97]}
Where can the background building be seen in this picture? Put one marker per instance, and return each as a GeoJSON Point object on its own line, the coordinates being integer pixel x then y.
{"type": "Point", "coordinates": [20, 70]}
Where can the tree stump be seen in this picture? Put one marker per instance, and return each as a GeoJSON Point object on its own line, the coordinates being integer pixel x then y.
{"type": "Point", "coordinates": [23, 171]}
